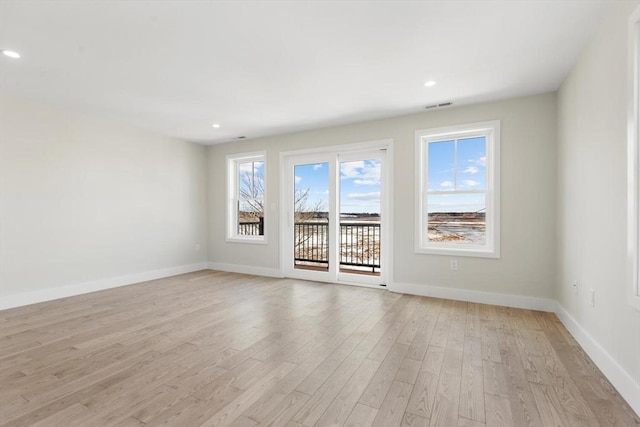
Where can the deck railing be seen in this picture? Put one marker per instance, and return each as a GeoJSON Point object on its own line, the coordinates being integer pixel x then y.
{"type": "Point", "coordinates": [311, 243]}
{"type": "Point", "coordinates": [251, 228]}
{"type": "Point", "coordinates": [359, 244]}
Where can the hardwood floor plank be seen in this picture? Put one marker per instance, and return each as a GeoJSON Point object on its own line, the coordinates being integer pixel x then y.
{"type": "Point", "coordinates": [270, 400]}
{"type": "Point", "coordinates": [472, 393]}
{"type": "Point", "coordinates": [387, 341]}
{"type": "Point", "coordinates": [315, 380]}
{"type": "Point", "coordinates": [447, 398]}
{"type": "Point", "coordinates": [465, 422]}
{"type": "Point", "coordinates": [424, 391]}
{"type": "Point", "coordinates": [490, 344]}
{"type": "Point", "coordinates": [241, 403]}
{"type": "Point", "coordinates": [392, 410]}
{"type": "Point", "coordinates": [338, 412]}
{"type": "Point", "coordinates": [411, 420]}
{"type": "Point", "coordinates": [498, 411]}
{"type": "Point", "coordinates": [68, 416]}
{"type": "Point", "coordinates": [523, 408]}
{"type": "Point", "coordinates": [361, 416]}
{"type": "Point", "coordinates": [550, 414]}
{"type": "Point", "coordinates": [218, 349]}
{"type": "Point", "coordinates": [282, 414]}
{"type": "Point", "coordinates": [377, 389]}
{"type": "Point", "coordinates": [320, 401]}
{"type": "Point", "coordinates": [243, 422]}
{"type": "Point", "coordinates": [420, 342]}
{"type": "Point", "coordinates": [408, 371]}
{"type": "Point", "coordinates": [495, 379]}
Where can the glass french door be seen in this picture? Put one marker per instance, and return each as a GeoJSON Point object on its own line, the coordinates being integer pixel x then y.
{"type": "Point", "coordinates": [311, 227]}
{"type": "Point", "coordinates": [335, 214]}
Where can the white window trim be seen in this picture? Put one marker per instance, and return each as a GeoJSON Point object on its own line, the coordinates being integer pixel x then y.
{"type": "Point", "coordinates": [633, 131]}
{"type": "Point", "coordinates": [422, 138]}
{"type": "Point", "coordinates": [232, 162]}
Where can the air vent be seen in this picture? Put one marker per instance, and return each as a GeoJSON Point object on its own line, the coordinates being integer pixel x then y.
{"type": "Point", "coordinates": [441, 105]}
{"type": "Point", "coordinates": [240, 137]}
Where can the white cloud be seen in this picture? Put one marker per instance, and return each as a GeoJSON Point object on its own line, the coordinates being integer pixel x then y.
{"type": "Point", "coordinates": [475, 165]}
{"type": "Point", "coordinates": [472, 170]}
{"type": "Point", "coordinates": [351, 169]}
{"type": "Point", "coordinates": [362, 172]}
{"type": "Point", "coordinates": [317, 166]}
{"type": "Point", "coordinates": [470, 183]}
{"type": "Point", "coordinates": [366, 181]}
{"type": "Point", "coordinates": [480, 161]}
{"type": "Point", "coordinates": [298, 179]}
{"type": "Point", "coordinates": [446, 184]}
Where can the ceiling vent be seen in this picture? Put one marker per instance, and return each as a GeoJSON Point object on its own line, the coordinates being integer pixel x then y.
{"type": "Point", "coordinates": [240, 137]}
{"type": "Point", "coordinates": [437, 106]}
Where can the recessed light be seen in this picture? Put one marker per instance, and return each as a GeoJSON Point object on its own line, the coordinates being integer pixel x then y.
{"type": "Point", "coordinates": [215, 125]}
{"type": "Point", "coordinates": [11, 54]}
{"type": "Point", "coordinates": [430, 83]}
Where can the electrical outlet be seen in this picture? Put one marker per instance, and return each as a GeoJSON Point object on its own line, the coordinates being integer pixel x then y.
{"type": "Point", "coordinates": [592, 298]}
{"type": "Point", "coordinates": [574, 286]}
{"type": "Point", "coordinates": [453, 264]}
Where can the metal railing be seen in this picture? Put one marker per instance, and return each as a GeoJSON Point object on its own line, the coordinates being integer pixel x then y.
{"type": "Point", "coordinates": [311, 242]}
{"type": "Point", "coordinates": [359, 244]}
{"type": "Point", "coordinates": [251, 228]}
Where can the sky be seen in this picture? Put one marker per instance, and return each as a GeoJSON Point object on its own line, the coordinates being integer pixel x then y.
{"type": "Point", "coordinates": [456, 165]}
{"type": "Point", "coordinates": [359, 185]}
{"type": "Point", "coordinates": [453, 165]}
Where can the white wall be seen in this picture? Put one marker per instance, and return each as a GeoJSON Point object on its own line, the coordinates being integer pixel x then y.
{"type": "Point", "coordinates": [592, 203]}
{"type": "Point", "coordinates": [527, 266]}
{"type": "Point", "coordinates": [86, 203]}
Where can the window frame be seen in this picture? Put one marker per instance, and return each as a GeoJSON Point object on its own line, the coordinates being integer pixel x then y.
{"type": "Point", "coordinates": [233, 185]}
{"type": "Point", "coordinates": [490, 130]}
{"type": "Point", "coordinates": [633, 184]}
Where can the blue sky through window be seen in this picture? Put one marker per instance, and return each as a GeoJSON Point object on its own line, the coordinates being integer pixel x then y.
{"type": "Point", "coordinates": [457, 166]}
{"type": "Point", "coordinates": [360, 185]}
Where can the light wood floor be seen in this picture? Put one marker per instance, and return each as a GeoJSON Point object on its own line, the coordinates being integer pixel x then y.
{"type": "Point", "coordinates": [213, 349]}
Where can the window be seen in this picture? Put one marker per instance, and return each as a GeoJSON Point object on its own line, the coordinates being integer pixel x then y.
{"type": "Point", "coordinates": [633, 223]}
{"type": "Point", "coordinates": [246, 193]}
{"type": "Point", "coordinates": [458, 190]}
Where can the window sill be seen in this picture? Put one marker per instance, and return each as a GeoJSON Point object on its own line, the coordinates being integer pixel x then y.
{"type": "Point", "coordinates": [466, 252]}
{"type": "Point", "coordinates": [250, 240]}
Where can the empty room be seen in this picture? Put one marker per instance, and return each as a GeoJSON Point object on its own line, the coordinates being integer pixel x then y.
{"type": "Point", "coordinates": [319, 213]}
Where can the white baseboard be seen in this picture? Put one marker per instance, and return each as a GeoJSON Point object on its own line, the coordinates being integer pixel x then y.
{"type": "Point", "coordinates": [505, 300]}
{"type": "Point", "coordinates": [628, 388]}
{"type": "Point", "coordinates": [33, 297]}
{"type": "Point", "coordinates": [246, 269]}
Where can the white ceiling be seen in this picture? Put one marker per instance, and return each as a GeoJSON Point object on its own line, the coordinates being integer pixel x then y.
{"type": "Point", "coordinates": [268, 67]}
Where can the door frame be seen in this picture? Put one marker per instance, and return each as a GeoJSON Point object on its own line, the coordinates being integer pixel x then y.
{"type": "Point", "coordinates": [286, 213]}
